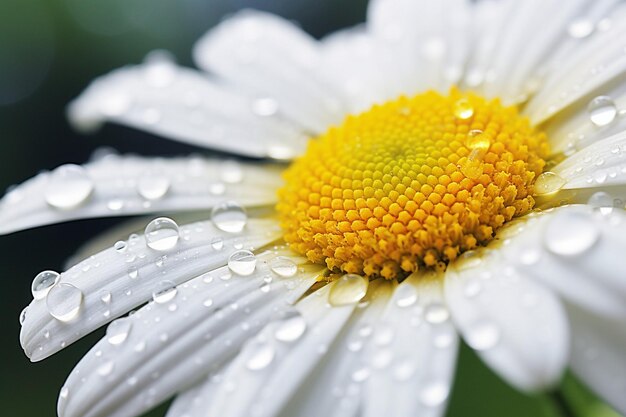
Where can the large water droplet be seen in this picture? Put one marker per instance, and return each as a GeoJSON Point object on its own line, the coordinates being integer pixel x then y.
{"type": "Point", "coordinates": [478, 140]}
{"type": "Point", "coordinates": [570, 234]}
{"type": "Point", "coordinates": [482, 335]}
{"type": "Point", "coordinates": [602, 202]}
{"type": "Point", "coordinates": [242, 262]}
{"type": "Point", "coordinates": [68, 187]}
{"type": "Point", "coordinates": [118, 331]}
{"type": "Point", "coordinates": [262, 356]}
{"type": "Point", "coordinates": [229, 217]}
{"type": "Point", "coordinates": [153, 186]}
{"type": "Point", "coordinates": [64, 301]}
{"type": "Point", "coordinates": [283, 266]}
{"type": "Point", "coordinates": [602, 110]}
{"type": "Point", "coordinates": [463, 109]}
{"type": "Point", "coordinates": [349, 289]}
{"type": "Point", "coordinates": [43, 282]}
{"type": "Point", "coordinates": [548, 183]}
{"type": "Point", "coordinates": [291, 329]}
{"type": "Point", "coordinates": [164, 292]}
{"type": "Point", "coordinates": [162, 234]}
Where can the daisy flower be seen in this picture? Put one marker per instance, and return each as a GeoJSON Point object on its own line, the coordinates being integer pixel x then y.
{"type": "Point", "coordinates": [448, 170]}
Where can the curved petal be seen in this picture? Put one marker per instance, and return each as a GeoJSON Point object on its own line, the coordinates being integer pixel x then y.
{"type": "Point", "coordinates": [517, 326]}
{"type": "Point", "coordinates": [112, 282]}
{"type": "Point", "coordinates": [185, 105]}
{"type": "Point", "coordinates": [413, 357]}
{"type": "Point", "coordinates": [598, 355]}
{"type": "Point", "coordinates": [274, 59]}
{"type": "Point", "coordinates": [170, 345]}
{"type": "Point", "coordinates": [128, 185]}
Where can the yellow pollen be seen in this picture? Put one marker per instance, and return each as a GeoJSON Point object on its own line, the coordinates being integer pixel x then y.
{"type": "Point", "coordinates": [410, 184]}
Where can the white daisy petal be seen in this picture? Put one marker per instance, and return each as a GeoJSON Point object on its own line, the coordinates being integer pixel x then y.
{"type": "Point", "coordinates": [278, 62]}
{"type": "Point", "coordinates": [517, 326]}
{"type": "Point", "coordinates": [116, 280]}
{"type": "Point", "coordinates": [125, 185]}
{"type": "Point", "coordinates": [171, 344]}
{"type": "Point", "coordinates": [577, 251]}
{"type": "Point", "coordinates": [184, 105]}
{"type": "Point", "coordinates": [413, 354]}
{"type": "Point", "coordinates": [598, 355]}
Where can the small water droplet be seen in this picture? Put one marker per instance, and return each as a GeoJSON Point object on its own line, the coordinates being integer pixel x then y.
{"type": "Point", "coordinates": [406, 295]}
{"type": "Point", "coordinates": [265, 106]}
{"type": "Point", "coordinates": [291, 329]}
{"type": "Point", "coordinates": [482, 335]}
{"type": "Point", "coordinates": [548, 183]}
{"type": "Point", "coordinates": [229, 217]}
{"type": "Point", "coordinates": [283, 266]}
{"type": "Point", "coordinates": [463, 109]}
{"type": "Point", "coordinates": [208, 302]}
{"type": "Point", "coordinates": [164, 292]}
{"type": "Point", "coordinates": [162, 234]}
{"type": "Point", "coordinates": [23, 315]}
{"type": "Point", "coordinates": [349, 289]}
{"type": "Point", "coordinates": [570, 234]}
{"type": "Point", "coordinates": [602, 202]}
{"type": "Point", "coordinates": [230, 172]}
{"type": "Point", "coordinates": [472, 288]}
{"type": "Point", "coordinates": [105, 296]}
{"type": "Point", "coordinates": [106, 368]}
{"type": "Point", "coordinates": [69, 186]}
{"type": "Point", "coordinates": [580, 28]}
{"type": "Point", "coordinates": [434, 393]}
{"type": "Point", "coordinates": [115, 204]}
{"type": "Point", "coordinates": [153, 186]}
{"type": "Point", "coordinates": [530, 255]}
{"type": "Point", "coordinates": [242, 262]}
{"type": "Point", "coordinates": [217, 243]}
{"type": "Point", "coordinates": [65, 392]}
{"type": "Point", "coordinates": [120, 246]}
{"type": "Point", "coordinates": [118, 331]}
{"type": "Point", "coordinates": [133, 272]}
{"type": "Point", "coordinates": [43, 282]}
{"type": "Point", "coordinates": [478, 140]}
{"type": "Point", "coordinates": [602, 110]}
{"type": "Point", "coordinates": [436, 313]}
{"type": "Point", "coordinates": [64, 301]}
{"type": "Point", "coordinates": [261, 357]}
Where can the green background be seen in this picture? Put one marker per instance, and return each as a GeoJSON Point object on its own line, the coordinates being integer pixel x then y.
{"type": "Point", "coordinates": [49, 51]}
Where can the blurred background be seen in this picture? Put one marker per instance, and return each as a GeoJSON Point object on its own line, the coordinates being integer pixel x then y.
{"type": "Point", "coordinates": [49, 51]}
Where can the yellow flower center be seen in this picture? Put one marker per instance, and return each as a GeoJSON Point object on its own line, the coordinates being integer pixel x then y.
{"type": "Point", "coordinates": [410, 184]}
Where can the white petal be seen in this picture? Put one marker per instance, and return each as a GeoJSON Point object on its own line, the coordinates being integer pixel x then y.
{"type": "Point", "coordinates": [125, 185]}
{"type": "Point", "coordinates": [576, 251]}
{"type": "Point", "coordinates": [599, 355]}
{"type": "Point", "coordinates": [185, 105]}
{"type": "Point", "coordinates": [274, 59]}
{"type": "Point", "coordinates": [172, 345]}
{"type": "Point", "coordinates": [517, 326]}
{"type": "Point", "coordinates": [112, 282]}
{"type": "Point", "coordinates": [413, 354]}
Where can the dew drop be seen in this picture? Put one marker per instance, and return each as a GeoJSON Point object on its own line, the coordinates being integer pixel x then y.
{"type": "Point", "coordinates": [406, 295]}
{"type": "Point", "coordinates": [105, 297]}
{"type": "Point", "coordinates": [106, 368]}
{"type": "Point", "coordinates": [162, 234]}
{"type": "Point", "coordinates": [208, 302]}
{"type": "Point", "coordinates": [548, 183]}
{"type": "Point", "coordinates": [116, 204]}
{"type": "Point", "coordinates": [602, 202]}
{"type": "Point", "coordinates": [349, 289]}
{"type": "Point", "coordinates": [477, 140]}
{"type": "Point", "coordinates": [64, 301]}
{"type": "Point", "coordinates": [570, 234]}
{"type": "Point", "coordinates": [434, 393]}
{"type": "Point", "coordinates": [482, 335]}
{"type": "Point", "coordinates": [602, 110]}
{"type": "Point", "coordinates": [580, 28]}
{"type": "Point", "coordinates": [68, 187]}
{"type": "Point", "coordinates": [43, 282]}
{"type": "Point", "coordinates": [229, 217]}
{"type": "Point", "coordinates": [133, 272]}
{"type": "Point", "coordinates": [265, 106]}
{"type": "Point", "coordinates": [231, 172]}
{"type": "Point", "coordinates": [436, 313]}
{"type": "Point", "coordinates": [118, 331]}
{"type": "Point", "coordinates": [463, 109]}
{"type": "Point", "coordinates": [262, 356]}
{"type": "Point", "coordinates": [120, 246]}
{"type": "Point", "coordinates": [217, 243]}
{"type": "Point", "coordinates": [283, 266]}
{"type": "Point", "coordinates": [291, 329]}
{"type": "Point", "coordinates": [242, 262]}
{"type": "Point", "coordinates": [23, 315]}
{"type": "Point", "coordinates": [153, 186]}
{"type": "Point", "coordinates": [164, 292]}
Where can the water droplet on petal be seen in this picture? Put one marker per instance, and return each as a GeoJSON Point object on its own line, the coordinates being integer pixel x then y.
{"type": "Point", "coordinates": [120, 246]}
{"type": "Point", "coordinates": [434, 393]}
{"type": "Point", "coordinates": [602, 202]}
{"type": "Point", "coordinates": [436, 313]}
{"type": "Point", "coordinates": [283, 266]}
{"type": "Point", "coordinates": [133, 272]}
{"type": "Point", "coordinates": [153, 186]}
{"type": "Point", "coordinates": [265, 106]}
{"type": "Point", "coordinates": [105, 297]}
{"type": "Point", "coordinates": [406, 295]}
{"type": "Point", "coordinates": [64, 301]}
{"type": "Point", "coordinates": [261, 357]}
{"type": "Point", "coordinates": [463, 109]}
{"type": "Point", "coordinates": [68, 187]}
{"type": "Point", "coordinates": [217, 243]}
{"type": "Point", "coordinates": [602, 110]}
{"type": "Point", "coordinates": [291, 329]}
{"type": "Point", "coordinates": [242, 262]}
{"type": "Point", "coordinates": [580, 28]}
{"type": "Point", "coordinates": [106, 368]}
{"type": "Point", "coordinates": [477, 140]}
{"type": "Point", "coordinates": [548, 183]}
{"type": "Point", "coordinates": [43, 282]}
{"type": "Point", "coordinates": [229, 217]}
{"type": "Point", "coordinates": [118, 331]}
{"type": "Point", "coordinates": [23, 315]}
{"type": "Point", "coordinates": [164, 292]}
{"type": "Point", "coordinates": [570, 234]}
{"type": "Point", "coordinates": [230, 172]}
{"type": "Point", "coordinates": [482, 335]}
{"type": "Point", "coordinates": [162, 234]}
{"type": "Point", "coordinates": [349, 289]}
